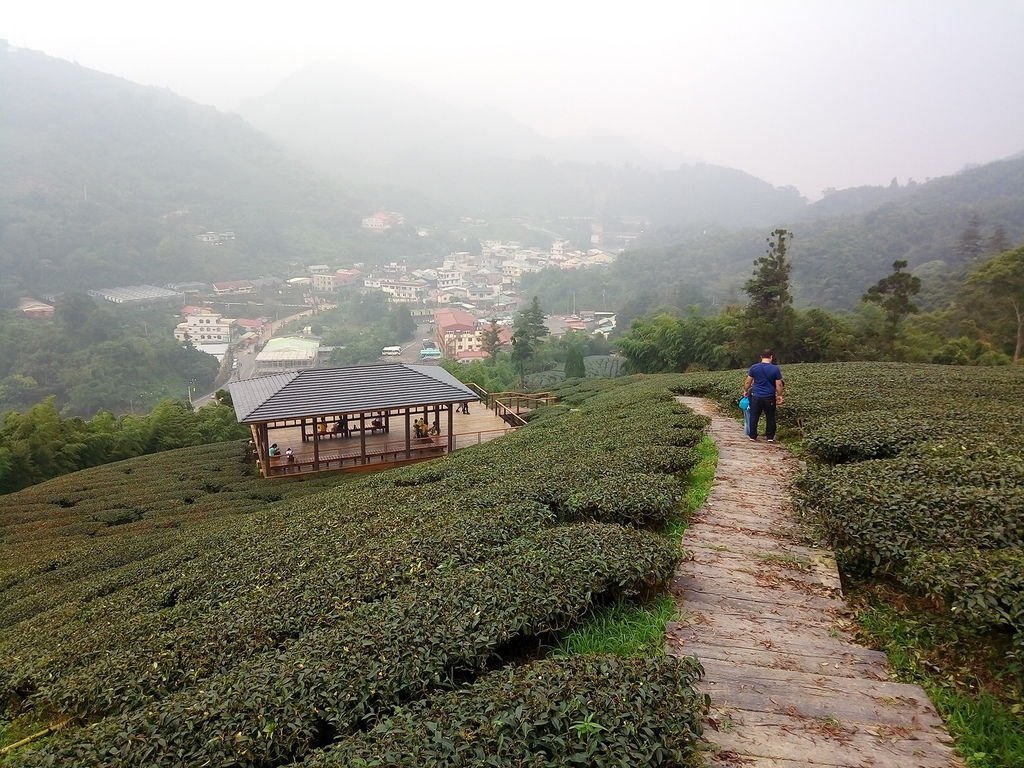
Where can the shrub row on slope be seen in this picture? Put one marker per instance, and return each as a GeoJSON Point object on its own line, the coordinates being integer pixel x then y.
{"type": "Point", "coordinates": [302, 624]}
{"type": "Point", "coordinates": [926, 483]}
{"type": "Point", "coordinates": [91, 533]}
{"type": "Point", "coordinates": [858, 411]}
{"type": "Point", "coordinates": [281, 704]}
{"type": "Point", "coordinates": [587, 711]}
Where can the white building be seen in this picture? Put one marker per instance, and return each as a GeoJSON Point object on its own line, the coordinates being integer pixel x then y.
{"type": "Point", "coordinates": [383, 220]}
{"type": "Point", "coordinates": [448, 279]}
{"type": "Point", "coordinates": [403, 290]}
{"type": "Point", "coordinates": [202, 328]}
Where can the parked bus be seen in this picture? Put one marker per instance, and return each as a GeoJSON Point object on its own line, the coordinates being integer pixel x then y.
{"type": "Point", "coordinates": [391, 352]}
{"type": "Point", "coordinates": [430, 353]}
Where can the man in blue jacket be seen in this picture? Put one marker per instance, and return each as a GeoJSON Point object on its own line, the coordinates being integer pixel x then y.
{"type": "Point", "coordinates": [764, 386]}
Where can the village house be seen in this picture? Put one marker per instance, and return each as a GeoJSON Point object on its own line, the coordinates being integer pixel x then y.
{"type": "Point", "coordinates": [332, 282]}
{"type": "Point", "coordinates": [203, 326]}
{"type": "Point", "coordinates": [403, 290]}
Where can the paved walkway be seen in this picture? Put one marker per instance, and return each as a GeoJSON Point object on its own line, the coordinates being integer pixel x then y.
{"type": "Point", "coordinates": [766, 617]}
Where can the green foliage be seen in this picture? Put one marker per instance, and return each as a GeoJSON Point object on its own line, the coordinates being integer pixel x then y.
{"type": "Point", "coordinates": [590, 712]}
{"type": "Point", "coordinates": [668, 343]}
{"type": "Point", "coordinates": [95, 357]}
{"type": "Point", "coordinates": [1002, 276]}
{"type": "Point", "coordinates": [308, 623]}
{"type": "Point", "coordinates": [529, 329]}
{"type": "Point", "coordinates": [361, 324]}
{"type": "Point", "coordinates": [39, 444]}
{"type": "Point", "coordinates": [490, 338]}
{"type": "Point", "coordinates": [768, 318]}
{"type": "Point", "coordinates": [928, 482]}
{"type": "Point", "coordinates": [894, 294]}
{"type": "Point", "coordinates": [498, 375]}
{"type": "Point", "coordinates": [574, 365]}
{"type": "Point", "coordinates": [983, 714]}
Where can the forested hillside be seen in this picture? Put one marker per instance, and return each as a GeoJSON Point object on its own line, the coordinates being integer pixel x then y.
{"type": "Point", "coordinates": [938, 228]}
{"type": "Point", "coordinates": [106, 182]}
{"type": "Point", "coordinates": [841, 245]}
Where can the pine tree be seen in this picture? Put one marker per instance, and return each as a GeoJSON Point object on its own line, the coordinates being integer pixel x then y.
{"type": "Point", "coordinates": [893, 294]}
{"type": "Point", "coordinates": [490, 339]}
{"type": "Point", "coordinates": [969, 246]}
{"type": "Point", "coordinates": [529, 328]}
{"type": "Point", "coordinates": [769, 316]}
{"type": "Point", "coordinates": [574, 365]}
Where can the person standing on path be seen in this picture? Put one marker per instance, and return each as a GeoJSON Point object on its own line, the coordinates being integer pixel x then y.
{"type": "Point", "coordinates": [764, 387]}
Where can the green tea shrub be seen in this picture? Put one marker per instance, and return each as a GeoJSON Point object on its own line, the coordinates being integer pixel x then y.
{"type": "Point", "coordinates": [587, 711]}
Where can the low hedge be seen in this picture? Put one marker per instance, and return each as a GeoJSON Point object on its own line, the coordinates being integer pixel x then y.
{"type": "Point", "coordinates": [984, 587]}
{"type": "Point", "coordinates": [252, 639]}
{"type": "Point", "coordinates": [915, 473]}
{"type": "Point", "coordinates": [588, 711]}
{"type": "Point", "coordinates": [278, 705]}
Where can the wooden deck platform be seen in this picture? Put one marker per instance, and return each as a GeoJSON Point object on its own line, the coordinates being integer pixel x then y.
{"type": "Point", "coordinates": [765, 615]}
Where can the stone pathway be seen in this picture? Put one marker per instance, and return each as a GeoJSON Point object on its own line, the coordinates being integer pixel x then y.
{"type": "Point", "coordinates": [766, 617]}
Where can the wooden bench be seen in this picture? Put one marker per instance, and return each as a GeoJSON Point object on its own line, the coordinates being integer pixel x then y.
{"type": "Point", "coordinates": [356, 429]}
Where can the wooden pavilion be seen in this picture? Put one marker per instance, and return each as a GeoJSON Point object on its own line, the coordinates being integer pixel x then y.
{"type": "Point", "coordinates": [357, 418]}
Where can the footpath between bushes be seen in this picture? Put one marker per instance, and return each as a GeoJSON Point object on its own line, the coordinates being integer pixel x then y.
{"type": "Point", "coordinates": [764, 613]}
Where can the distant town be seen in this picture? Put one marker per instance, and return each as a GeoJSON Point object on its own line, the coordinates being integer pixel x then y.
{"type": "Point", "coordinates": [458, 300]}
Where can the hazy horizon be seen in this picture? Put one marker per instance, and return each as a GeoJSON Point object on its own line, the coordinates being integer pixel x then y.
{"type": "Point", "coordinates": [811, 95]}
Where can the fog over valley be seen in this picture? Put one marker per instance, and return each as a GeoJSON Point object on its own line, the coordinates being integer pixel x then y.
{"type": "Point", "coordinates": [811, 95]}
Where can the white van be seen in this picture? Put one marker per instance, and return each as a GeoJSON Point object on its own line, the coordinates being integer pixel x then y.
{"type": "Point", "coordinates": [391, 352]}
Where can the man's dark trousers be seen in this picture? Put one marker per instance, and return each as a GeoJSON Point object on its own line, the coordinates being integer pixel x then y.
{"type": "Point", "coordinates": [765, 405]}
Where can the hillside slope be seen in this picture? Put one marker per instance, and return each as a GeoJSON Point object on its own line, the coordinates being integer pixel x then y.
{"type": "Point", "coordinates": [235, 631]}
{"type": "Point", "coordinates": [837, 257]}
{"type": "Point", "coordinates": [106, 182]}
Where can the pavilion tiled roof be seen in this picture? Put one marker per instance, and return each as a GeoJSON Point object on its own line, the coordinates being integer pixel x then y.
{"type": "Point", "coordinates": [352, 389]}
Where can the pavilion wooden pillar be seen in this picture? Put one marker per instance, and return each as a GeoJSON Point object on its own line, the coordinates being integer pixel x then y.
{"type": "Point", "coordinates": [316, 445]}
{"type": "Point", "coordinates": [408, 435]}
{"type": "Point", "coordinates": [362, 437]}
{"type": "Point", "coordinates": [451, 428]}
{"type": "Point", "coordinates": [263, 446]}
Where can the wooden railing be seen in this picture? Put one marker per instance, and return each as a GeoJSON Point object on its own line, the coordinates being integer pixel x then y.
{"type": "Point", "coordinates": [509, 406]}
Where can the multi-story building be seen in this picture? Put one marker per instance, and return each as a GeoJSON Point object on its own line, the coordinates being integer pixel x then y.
{"type": "Point", "coordinates": [332, 282]}
{"type": "Point", "coordinates": [204, 327]}
{"type": "Point", "coordinates": [403, 291]}
{"type": "Point", "coordinates": [448, 279]}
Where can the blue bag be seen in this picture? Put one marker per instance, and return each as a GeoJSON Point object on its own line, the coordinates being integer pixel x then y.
{"type": "Point", "coordinates": [745, 405]}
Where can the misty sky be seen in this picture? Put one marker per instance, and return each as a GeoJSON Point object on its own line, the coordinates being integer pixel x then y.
{"type": "Point", "coordinates": [810, 93]}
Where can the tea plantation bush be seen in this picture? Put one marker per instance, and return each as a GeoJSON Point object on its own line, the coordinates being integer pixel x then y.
{"type": "Point", "coordinates": [589, 711]}
{"type": "Point", "coordinates": [255, 635]}
{"type": "Point", "coordinates": [918, 476]}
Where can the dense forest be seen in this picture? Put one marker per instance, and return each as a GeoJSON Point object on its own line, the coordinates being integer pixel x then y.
{"type": "Point", "coordinates": [94, 356]}
{"type": "Point", "coordinates": [38, 445]}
